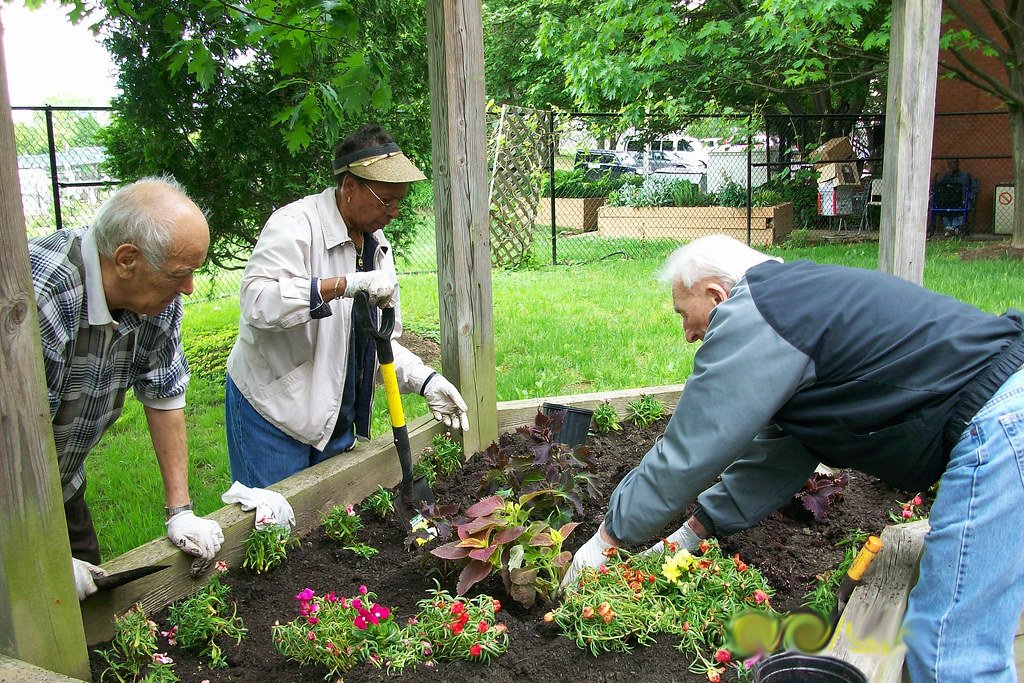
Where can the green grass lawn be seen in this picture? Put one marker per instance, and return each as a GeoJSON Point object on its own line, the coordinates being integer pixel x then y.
{"type": "Point", "coordinates": [570, 329]}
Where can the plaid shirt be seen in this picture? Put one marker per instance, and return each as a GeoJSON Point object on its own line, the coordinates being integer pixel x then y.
{"type": "Point", "coordinates": [92, 356]}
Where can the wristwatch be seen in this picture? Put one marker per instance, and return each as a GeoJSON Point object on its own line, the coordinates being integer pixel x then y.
{"type": "Point", "coordinates": [175, 510]}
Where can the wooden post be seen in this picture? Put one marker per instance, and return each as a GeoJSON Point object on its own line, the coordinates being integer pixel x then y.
{"type": "Point", "coordinates": [909, 124]}
{"type": "Point", "coordinates": [40, 620]}
{"type": "Point", "coordinates": [461, 210]}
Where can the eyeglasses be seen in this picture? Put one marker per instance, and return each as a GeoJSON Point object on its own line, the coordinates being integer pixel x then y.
{"type": "Point", "coordinates": [390, 207]}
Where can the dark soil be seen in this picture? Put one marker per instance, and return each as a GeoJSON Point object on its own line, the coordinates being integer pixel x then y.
{"type": "Point", "coordinates": [1001, 251]}
{"type": "Point", "coordinates": [789, 548]}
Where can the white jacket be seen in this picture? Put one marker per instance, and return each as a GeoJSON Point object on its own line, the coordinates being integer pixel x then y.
{"type": "Point", "coordinates": [291, 367]}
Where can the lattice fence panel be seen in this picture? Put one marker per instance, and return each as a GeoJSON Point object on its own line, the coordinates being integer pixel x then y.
{"type": "Point", "coordinates": [519, 148]}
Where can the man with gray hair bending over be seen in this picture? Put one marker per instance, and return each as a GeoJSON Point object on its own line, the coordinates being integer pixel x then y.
{"type": "Point", "coordinates": [110, 318]}
{"type": "Point", "coordinates": [803, 363]}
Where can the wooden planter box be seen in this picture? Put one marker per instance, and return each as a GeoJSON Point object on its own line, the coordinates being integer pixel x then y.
{"type": "Point", "coordinates": [768, 224]}
{"type": "Point", "coordinates": [578, 213]}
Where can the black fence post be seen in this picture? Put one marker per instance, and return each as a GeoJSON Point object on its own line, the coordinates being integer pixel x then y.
{"type": "Point", "coordinates": [750, 162]}
{"type": "Point", "coordinates": [54, 180]}
{"type": "Point", "coordinates": [551, 185]}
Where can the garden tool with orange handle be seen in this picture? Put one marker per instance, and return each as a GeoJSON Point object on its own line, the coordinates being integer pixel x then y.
{"type": "Point", "coordinates": [854, 575]}
{"type": "Point", "coordinates": [415, 491]}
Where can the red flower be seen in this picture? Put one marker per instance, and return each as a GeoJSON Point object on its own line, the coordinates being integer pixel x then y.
{"type": "Point", "coordinates": [917, 500]}
{"type": "Point", "coordinates": [907, 513]}
{"type": "Point", "coordinates": [457, 607]}
{"type": "Point", "coordinates": [497, 605]}
{"type": "Point", "coordinates": [475, 650]}
{"type": "Point", "coordinates": [456, 627]}
{"type": "Point", "coordinates": [704, 547]}
{"type": "Point", "coordinates": [464, 617]}
{"type": "Point", "coordinates": [723, 656]}
{"type": "Point", "coordinates": [588, 612]}
{"type": "Point", "coordinates": [482, 626]}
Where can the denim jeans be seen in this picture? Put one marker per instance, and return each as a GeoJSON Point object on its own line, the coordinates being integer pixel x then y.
{"type": "Point", "coordinates": [964, 610]}
{"type": "Point", "coordinates": [260, 454]}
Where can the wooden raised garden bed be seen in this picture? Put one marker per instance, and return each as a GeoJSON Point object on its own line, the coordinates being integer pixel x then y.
{"type": "Point", "coordinates": [768, 224]}
{"type": "Point", "coordinates": [570, 212]}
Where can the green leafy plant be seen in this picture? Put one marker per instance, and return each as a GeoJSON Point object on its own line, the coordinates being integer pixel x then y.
{"type": "Point", "coordinates": [342, 524]}
{"type": "Point", "coordinates": [498, 536]}
{"type": "Point", "coordinates": [732, 194]}
{"type": "Point", "coordinates": [911, 511]}
{"type": "Point", "coordinates": [267, 547]}
{"type": "Point", "coordinates": [606, 419]}
{"type": "Point", "coordinates": [645, 411]}
{"type": "Point", "coordinates": [442, 456]}
{"type": "Point", "coordinates": [820, 491]}
{"type": "Point", "coordinates": [132, 655]}
{"type": "Point", "coordinates": [205, 617]}
{"type": "Point", "coordinates": [381, 502]}
{"type": "Point", "coordinates": [823, 598]}
{"type": "Point", "coordinates": [556, 474]}
{"type": "Point", "coordinates": [576, 184]}
{"type": "Point", "coordinates": [632, 598]}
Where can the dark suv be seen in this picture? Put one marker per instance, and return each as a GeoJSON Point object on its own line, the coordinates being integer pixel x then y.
{"type": "Point", "coordinates": [596, 162]}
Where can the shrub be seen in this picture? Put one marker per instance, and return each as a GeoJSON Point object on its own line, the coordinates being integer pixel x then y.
{"type": "Point", "coordinates": [606, 419]}
{"type": "Point", "coordinates": [732, 194]}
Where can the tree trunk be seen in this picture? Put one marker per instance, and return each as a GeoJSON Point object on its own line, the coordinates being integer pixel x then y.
{"type": "Point", "coordinates": [1017, 137]}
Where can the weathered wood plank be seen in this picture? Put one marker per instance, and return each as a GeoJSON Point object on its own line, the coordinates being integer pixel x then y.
{"type": "Point", "coordinates": [457, 114]}
{"type": "Point", "coordinates": [867, 635]}
{"type": "Point", "coordinates": [17, 671]}
{"type": "Point", "coordinates": [347, 478]}
{"type": "Point", "coordinates": [909, 124]}
{"type": "Point", "coordinates": [40, 622]}
{"type": "Point", "coordinates": [511, 414]}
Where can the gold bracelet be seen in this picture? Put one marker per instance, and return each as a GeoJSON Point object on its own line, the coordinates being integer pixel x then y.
{"type": "Point", "coordinates": [337, 281]}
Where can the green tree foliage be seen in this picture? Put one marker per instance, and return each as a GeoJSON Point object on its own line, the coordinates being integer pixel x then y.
{"type": "Point", "coordinates": [243, 102]}
{"type": "Point", "coordinates": [71, 129]}
{"type": "Point", "coordinates": [667, 57]}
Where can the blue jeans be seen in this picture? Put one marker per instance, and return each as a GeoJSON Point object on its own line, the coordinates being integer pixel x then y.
{"type": "Point", "coordinates": [260, 454]}
{"type": "Point", "coordinates": [964, 610]}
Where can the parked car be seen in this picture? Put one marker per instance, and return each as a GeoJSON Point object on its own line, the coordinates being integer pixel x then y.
{"type": "Point", "coordinates": [694, 174]}
{"type": "Point", "coordinates": [596, 162]}
{"type": "Point", "coordinates": [649, 162]}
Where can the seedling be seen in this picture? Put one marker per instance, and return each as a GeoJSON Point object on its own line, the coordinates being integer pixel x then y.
{"type": "Point", "coordinates": [606, 419]}
{"type": "Point", "coordinates": [133, 651]}
{"type": "Point", "coordinates": [820, 491]}
{"type": "Point", "coordinates": [381, 502]}
{"type": "Point", "coordinates": [267, 547]}
{"type": "Point", "coordinates": [442, 456]}
{"type": "Point", "coordinates": [342, 524]}
{"type": "Point", "coordinates": [204, 618]}
{"type": "Point", "coordinates": [645, 411]}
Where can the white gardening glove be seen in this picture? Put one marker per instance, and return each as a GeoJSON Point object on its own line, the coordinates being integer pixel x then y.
{"type": "Point", "coordinates": [684, 537]}
{"type": "Point", "coordinates": [85, 575]}
{"type": "Point", "coordinates": [270, 506]}
{"type": "Point", "coordinates": [379, 287]}
{"type": "Point", "coordinates": [195, 535]}
{"type": "Point", "coordinates": [591, 554]}
{"type": "Point", "coordinates": [446, 404]}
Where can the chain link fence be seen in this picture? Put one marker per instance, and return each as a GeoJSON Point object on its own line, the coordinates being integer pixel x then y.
{"type": "Point", "coordinates": [583, 187]}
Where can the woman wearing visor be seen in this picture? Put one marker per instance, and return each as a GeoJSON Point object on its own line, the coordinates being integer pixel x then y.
{"type": "Point", "coordinates": [297, 391]}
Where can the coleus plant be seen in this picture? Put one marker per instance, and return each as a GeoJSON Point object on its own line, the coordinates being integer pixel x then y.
{"type": "Point", "coordinates": [558, 474]}
{"type": "Point", "coordinates": [820, 491]}
{"type": "Point", "coordinates": [497, 536]}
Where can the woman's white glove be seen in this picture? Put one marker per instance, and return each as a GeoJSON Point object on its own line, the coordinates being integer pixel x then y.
{"type": "Point", "coordinates": [195, 535]}
{"type": "Point", "coordinates": [85, 577]}
{"type": "Point", "coordinates": [591, 554]}
{"type": "Point", "coordinates": [270, 506]}
{"type": "Point", "coordinates": [684, 537]}
{"type": "Point", "coordinates": [377, 284]}
{"type": "Point", "coordinates": [445, 402]}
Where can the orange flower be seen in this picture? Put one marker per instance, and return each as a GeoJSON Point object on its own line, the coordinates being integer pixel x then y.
{"type": "Point", "coordinates": [588, 612]}
{"type": "Point", "coordinates": [610, 552]}
{"type": "Point", "coordinates": [740, 564]}
{"type": "Point", "coordinates": [608, 617]}
{"type": "Point", "coordinates": [604, 608]}
{"type": "Point", "coordinates": [704, 547]}
{"type": "Point", "coordinates": [715, 675]}
{"type": "Point", "coordinates": [634, 585]}
{"type": "Point", "coordinates": [549, 617]}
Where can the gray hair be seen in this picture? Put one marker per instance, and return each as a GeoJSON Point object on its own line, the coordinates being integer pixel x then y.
{"type": "Point", "coordinates": [717, 256]}
{"type": "Point", "coordinates": [136, 214]}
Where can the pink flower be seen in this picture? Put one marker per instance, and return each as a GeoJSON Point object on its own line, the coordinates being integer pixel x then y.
{"type": "Point", "coordinates": [162, 658]}
{"type": "Point", "coordinates": [723, 656]}
{"type": "Point", "coordinates": [412, 621]}
{"type": "Point", "coordinates": [362, 590]}
{"type": "Point", "coordinates": [603, 569]}
{"type": "Point", "coordinates": [171, 636]}
{"type": "Point", "coordinates": [221, 566]}
{"type": "Point", "coordinates": [907, 514]}
{"type": "Point", "coordinates": [482, 626]}
{"type": "Point", "coordinates": [475, 650]}
{"type": "Point", "coordinates": [350, 511]}
{"type": "Point", "coordinates": [427, 649]}
{"type": "Point", "coordinates": [311, 635]}
{"type": "Point", "coordinates": [360, 622]}
{"type": "Point", "coordinates": [751, 662]}
{"type": "Point", "coordinates": [430, 664]}
{"type": "Point", "coordinates": [306, 595]}
{"type": "Point", "coordinates": [917, 500]}
{"type": "Point", "coordinates": [500, 628]}
{"type": "Point", "coordinates": [331, 597]}
{"type": "Point", "coordinates": [760, 597]}
{"type": "Point", "coordinates": [357, 605]}
{"type": "Point", "coordinates": [380, 612]}
{"type": "Point", "coordinates": [312, 621]}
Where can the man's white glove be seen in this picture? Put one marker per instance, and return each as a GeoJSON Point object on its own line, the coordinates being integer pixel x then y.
{"type": "Point", "coordinates": [684, 537]}
{"type": "Point", "coordinates": [446, 404]}
{"type": "Point", "coordinates": [85, 575]}
{"type": "Point", "coordinates": [270, 506]}
{"type": "Point", "coordinates": [195, 535]}
{"type": "Point", "coordinates": [591, 554]}
{"type": "Point", "coordinates": [379, 287]}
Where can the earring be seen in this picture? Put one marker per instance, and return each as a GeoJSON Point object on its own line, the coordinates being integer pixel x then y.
{"type": "Point", "coordinates": [348, 200]}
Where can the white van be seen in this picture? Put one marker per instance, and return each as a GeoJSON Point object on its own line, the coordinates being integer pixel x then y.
{"type": "Point", "coordinates": [673, 149]}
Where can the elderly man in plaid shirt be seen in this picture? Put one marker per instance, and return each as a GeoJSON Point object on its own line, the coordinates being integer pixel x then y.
{"type": "Point", "coordinates": [110, 318]}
